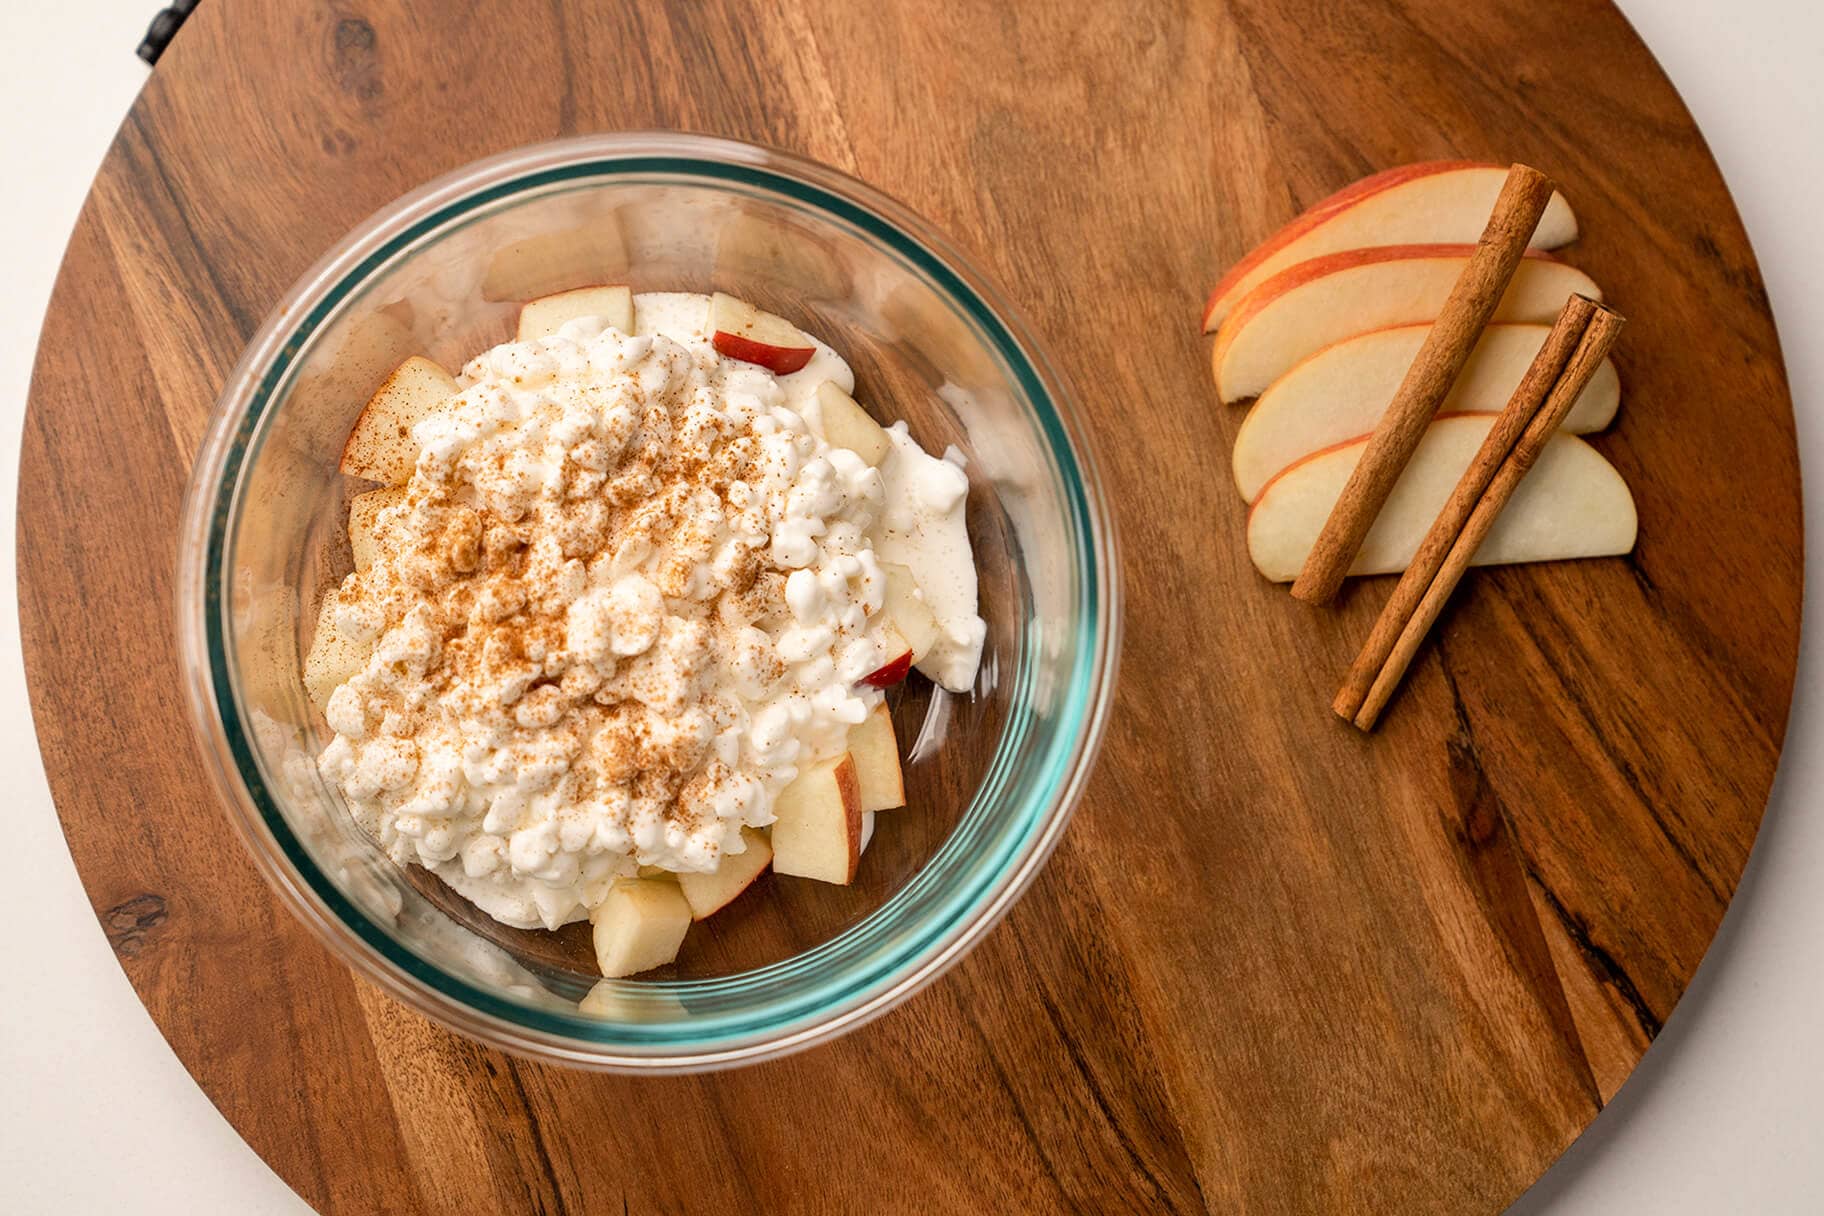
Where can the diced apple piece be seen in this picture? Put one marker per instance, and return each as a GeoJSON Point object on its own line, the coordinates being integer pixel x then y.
{"type": "Point", "coordinates": [659, 872]}
{"type": "Point", "coordinates": [550, 262]}
{"type": "Point", "coordinates": [364, 522]}
{"type": "Point", "coordinates": [639, 926]}
{"type": "Point", "coordinates": [878, 777]}
{"type": "Point", "coordinates": [817, 830]}
{"type": "Point", "coordinates": [1314, 304]}
{"type": "Point", "coordinates": [1572, 504]}
{"type": "Point", "coordinates": [544, 316]}
{"type": "Point", "coordinates": [741, 331]}
{"type": "Point", "coordinates": [906, 611]}
{"type": "Point", "coordinates": [708, 894]}
{"type": "Point", "coordinates": [1340, 393]}
{"type": "Point", "coordinates": [369, 346]}
{"type": "Point", "coordinates": [897, 666]}
{"type": "Point", "coordinates": [616, 1003]}
{"type": "Point", "coordinates": [380, 447]}
{"type": "Point", "coordinates": [1431, 201]}
{"type": "Point", "coordinates": [845, 424]}
{"type": "Point", "coordinates": [333, 657]}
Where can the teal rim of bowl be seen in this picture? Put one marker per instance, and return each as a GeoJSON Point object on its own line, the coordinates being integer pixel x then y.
{"type": "Point", "coordinates": [867, 958]}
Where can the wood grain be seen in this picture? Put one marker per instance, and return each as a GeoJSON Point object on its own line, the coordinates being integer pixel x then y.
{"type": "Point", "coordinates": [1275, 967]}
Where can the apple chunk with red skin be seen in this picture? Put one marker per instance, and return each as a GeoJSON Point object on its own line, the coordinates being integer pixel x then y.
{"type": "Point", "coordinates": [1572, 503]}
{"type": "Point", "coordinates": [908, 626]}
{"type": "Point", "coordinates": [544, 316]}
{"type": "Point", "coordinates": [817, 828]}
{"type": "Point", "coordinates": [1431, 201]}
{"type": "Point", "coordinates": [897, 667]}
{"type": "Point", "coordinates": [639, 926]}
{"type": "Point", "coordinates": [1306, 307]}
{"type": "Point", "coordinates": [380, 447]}
{"type": "Point", "coordinates": [741, 331]}
{"type": "Point", "coordinates": [1340, 393]}
{"type": "Point", "coordinates": [709, 893]}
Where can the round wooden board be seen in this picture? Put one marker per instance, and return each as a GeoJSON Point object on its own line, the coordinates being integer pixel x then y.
{"type": "Point", "coordinates": [1277, 966]}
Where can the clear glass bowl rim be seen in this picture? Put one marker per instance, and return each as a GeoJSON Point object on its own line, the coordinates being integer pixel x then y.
{"type": "Point", "coordinates": [219, 721]}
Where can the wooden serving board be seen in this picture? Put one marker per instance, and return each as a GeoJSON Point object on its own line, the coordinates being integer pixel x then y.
{"type": "Point", "coordinates": [1276, 966]}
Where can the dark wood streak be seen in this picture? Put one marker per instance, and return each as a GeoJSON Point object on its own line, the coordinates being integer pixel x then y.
{"type": "Point", "coordinates": [1611, 971]}
{"type": "Point", "coordinates": [179, 233]}
{"type": "Point", "coordinates": [1495, 851]}
{"type": "Point", "coordinates": [1275, 967]}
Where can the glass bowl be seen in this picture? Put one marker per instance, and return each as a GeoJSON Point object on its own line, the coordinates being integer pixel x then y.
{"type": "Point", "coordinates": [992, 776]}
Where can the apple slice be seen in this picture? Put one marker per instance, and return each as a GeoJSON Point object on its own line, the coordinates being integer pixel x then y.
{"type": "Point", "coordinates": [547, 262]}
{"type": "Point", "coordinates": [1314, 304]}
{"type": "Point", "coordinates": [878, 777]}
{"type": "Point", "coordinates": [817, 829]}
{"type": "Point", "coordinates": [639, 926]}
{"type": "Point", "coordinates": [333, 657]}
{"type": "Point", "coordinates": [1572, 504]}
{"type": "Point", "coordinates": [906, 612]}
{"type": "Point", "coordinates": [708, 894]}
{"type": "Point", "coordinates": [741, 331]}
{"type": "Point", "coordinates": [844, 424]}
{"type": "Point", "coordinates": [617, 1003]}
{"type": "Point", "coordinates": [1340, 393]}
{"type": "Point", "coordinates": [380, 446]}
{"type": "Point", "coordinates": [1440, 200]}
{"type": "Point", "coordinates": [896, 668]}
{"type": "Point", "coordinates": [544, 316]}
{"type": "Point", "coordinates": [364, 522]}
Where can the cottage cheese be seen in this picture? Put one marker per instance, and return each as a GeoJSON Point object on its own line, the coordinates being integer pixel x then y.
{"type": "Point", "coordinates": [628, 595]}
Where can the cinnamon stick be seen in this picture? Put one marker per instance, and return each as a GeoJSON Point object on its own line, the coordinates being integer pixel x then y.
{"type": "Point", "coordinates": [1604, 328]}
{"type": "Point", "coordinates": [1545, 371]}
{"type": "Point", "coordinates": [1447, 346]}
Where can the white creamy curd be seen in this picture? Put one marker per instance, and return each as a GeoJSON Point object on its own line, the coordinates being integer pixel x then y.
{"type": "Point", "coordinates": [629, 594]}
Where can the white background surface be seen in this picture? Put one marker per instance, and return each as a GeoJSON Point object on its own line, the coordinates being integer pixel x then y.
{"type": "Point", "coordinates": [1725, 1115]}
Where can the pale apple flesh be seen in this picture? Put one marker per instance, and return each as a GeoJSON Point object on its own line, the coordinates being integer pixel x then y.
{"type": "Point", "coordinates": [1340, 393]}
{"type": "Point", "coordinates": [544, 316]}
{"type": "Point", "coordinates": [741, 331]}
{"type": "Point", "coordinates": [1571, 504]}
{"type": "Point", "coordinates": [629, 1003]}
{"type": "Point", "coordinates": [906, 613]}
{"type": "Point", "coordinates": [879, 779]}
{"type": "Point", "coordinates": [709, 893]}
{"type": "Point", "coordinates": [1433, 201]}
{"type": "Point", "coordinates": [844, 424]}
{"type": "Point", "coordinates": [817, 826]}
{"type": "Point", "coordinates": [1307, 307]}
{"type": "Point", "coordinates": [380, 447]}
{"type": "Point", "coordinates": [898, 664]}
{"type": "Point", "coordinates": [333, 657]}
{"type": "Point", "coordinates": [548, 262]}
{"type": "Point", "coordinates": [364, 522]}
{"type": "Point", "coordinates": [640, 925]}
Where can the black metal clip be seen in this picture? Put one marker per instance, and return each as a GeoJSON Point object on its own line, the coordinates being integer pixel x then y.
{"type": "Point", "coordinates": [164, 27]}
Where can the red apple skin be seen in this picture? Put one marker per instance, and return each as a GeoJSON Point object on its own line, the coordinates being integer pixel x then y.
{"type": "Point", "coordinates": [890, 674]}
{"type": "Point", "coordinates": [780, 360]}
{"type": "Point", "coordinates": [1300, 273]}
{"type": "Point", "coordinates": [1322, 210]}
